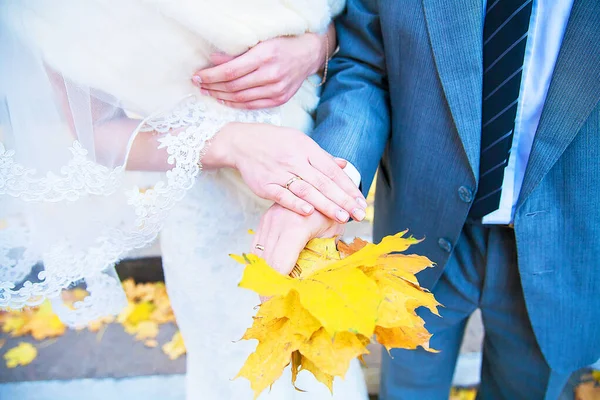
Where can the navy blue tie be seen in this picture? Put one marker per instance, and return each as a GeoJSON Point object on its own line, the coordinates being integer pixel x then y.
{"type": "Point", "coordinates": [504, 40]}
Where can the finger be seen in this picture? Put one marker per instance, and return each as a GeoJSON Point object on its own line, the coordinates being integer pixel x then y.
{"type": "Point", "coordinates": [287, 199]}
{"type": "Point", "coordinates": [330, 190]}
{"type": "Point", "coordinates": [248, 81]}
{"type": "Point", "coordinates": [331, 170]}
{"type": "Point", "coordinates": [257, 78]}
{"type": "Point", "coordinates": [310, 194]}
{"type": "Point", "coordinates": [271, 243]}
{"type": "Point", "coordinates": [286, 250]}
{"type": "Point", "coordinates": [261, 235]}
{"type": "Point", "coordinates": [245, 96]}
{"type": "Point", "coordinates": [229, 71]}
{"type": "Point", "coordinates": [340, 162]}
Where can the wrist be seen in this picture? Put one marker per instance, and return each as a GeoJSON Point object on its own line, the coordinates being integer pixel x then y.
{"type": "Point", "coordinates": [318, 42]}
{"type": "Point", "coordinates": [220, 150]}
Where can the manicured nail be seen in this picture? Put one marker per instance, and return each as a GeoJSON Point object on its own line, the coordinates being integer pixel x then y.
{"type": "Point", "coordinates": [342, 215]}
{"type": "Point", "coordinates": [358, 214]}
{"type": "Point", "coordinates": [361, 202]}
{"type": "Point", "coordinates": [307, 208]}
{"type": "Point", "coordinates": [205, 92]}
{"type": "Point", "coordinates": [196, 79]}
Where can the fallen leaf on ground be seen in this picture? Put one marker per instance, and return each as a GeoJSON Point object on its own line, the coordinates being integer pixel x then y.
{"type": "Point", "coordinates": [148, 307]}
{"type": "Point", "coordinates": [146, 330]}
{"type": "Point", "coordinates": [23, 354]}
{"type": "Point", "coordinates": [175, 348]}
{"type": "Point", "coordinates": [589, 387]}
{"type": "Point", "coordinates": [463, 394]}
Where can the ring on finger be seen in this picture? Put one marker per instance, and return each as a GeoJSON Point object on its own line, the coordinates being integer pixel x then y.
{"type": "Point", "coordinates": [292, 180]}
{"type": "Point", "coordinates": [259, 247]}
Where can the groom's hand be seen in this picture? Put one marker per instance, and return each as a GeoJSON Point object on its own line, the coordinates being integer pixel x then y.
{"type": "Point", "coordinates": [283, 234]}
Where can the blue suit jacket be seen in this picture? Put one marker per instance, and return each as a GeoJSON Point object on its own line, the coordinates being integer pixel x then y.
{"type": "Point", "coordinates": [404, 94]}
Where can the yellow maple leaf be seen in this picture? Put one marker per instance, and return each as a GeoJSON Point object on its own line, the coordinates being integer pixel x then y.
{"type": "Point", "coordinates": [332, 356]}
{"type": "Point", "coordinates": [404, 337]}
{"type": "Point", "coordinates": [130, 288]}
{"type": "Point", "coordinates": [317, 254]}
{"type": "Point", "coordinates": [44, 323]}
{"type": "Point", "coordinates": [140, 312]}
{"type": "Point", "coordinates": [174, 348]}
{"type": "Point", "coordinates": [326, 379]}
{"type": "Point", "coordinates": [261, 278]}
{"type": "Point", "coordinates": [400, 298]}
{"type": "Point", "coordinates": [146, 330]}
{"type": "Point", "coordinates": [347, 249]}
{"type": "Point", "coordinates": [371, 253]}
{"type": "Point", "coordinates": [23, 354]}
{"type": "Point", "coordinates": [352, 297]}
{"type": "Point", "coordinates": [276, 309]}
{"type": "Point", "coordinates": [324, 317]}
{"type": "Point", "coordinates": [13, 324]}
{"type": "Point", "coordinates": [281, 326]}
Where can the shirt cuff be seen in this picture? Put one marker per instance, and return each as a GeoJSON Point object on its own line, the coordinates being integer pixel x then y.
{"type": "Point", "coordinates": [352, 173]}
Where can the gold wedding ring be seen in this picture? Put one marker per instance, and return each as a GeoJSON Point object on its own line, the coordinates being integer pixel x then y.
{"type": "Point", "coordinates": [259, 247]}
{"type": "Point", "coordinates": [292, 180]}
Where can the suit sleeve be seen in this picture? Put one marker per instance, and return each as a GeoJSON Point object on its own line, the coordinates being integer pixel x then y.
{"type": "Point", "coordinates": [353, 119]}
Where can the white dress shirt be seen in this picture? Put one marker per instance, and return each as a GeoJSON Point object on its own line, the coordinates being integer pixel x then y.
{"type": "Point", "coordinates": [546, 30]}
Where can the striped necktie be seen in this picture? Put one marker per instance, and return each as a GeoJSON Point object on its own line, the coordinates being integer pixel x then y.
{"type": "Point", "coordinates": [504, 40]}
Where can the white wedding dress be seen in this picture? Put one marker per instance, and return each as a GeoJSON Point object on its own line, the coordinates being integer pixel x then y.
{"type": "Point", "coordinates": [68, 71]}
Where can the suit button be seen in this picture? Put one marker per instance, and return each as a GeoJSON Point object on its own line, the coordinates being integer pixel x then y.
{"type": "Point", "coordinates": [445, 245]}
{"type": "Point", "coordinates": [465, 194]}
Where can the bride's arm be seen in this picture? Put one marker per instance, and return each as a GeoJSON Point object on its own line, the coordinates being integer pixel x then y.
{"type": "Point", "coordinates": [266, 156]}
{"type": "Point", "coordinates": [270, 73]}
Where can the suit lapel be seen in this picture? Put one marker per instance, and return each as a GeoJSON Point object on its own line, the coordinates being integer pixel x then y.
{"type": "Point", "coordinates": [573, 93]}
{"type": "Point", "coordinates": [456, 35]}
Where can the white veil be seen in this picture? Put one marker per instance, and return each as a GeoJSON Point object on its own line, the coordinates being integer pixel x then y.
{"type": "Point", "coordinates": [68, 210]}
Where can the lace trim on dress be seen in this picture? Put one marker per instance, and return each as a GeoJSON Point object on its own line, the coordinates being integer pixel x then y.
{"type": "Point", "coordinates": [64, 264]}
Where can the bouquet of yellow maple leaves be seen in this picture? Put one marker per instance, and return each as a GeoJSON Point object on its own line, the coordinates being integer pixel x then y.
{"type": "Point", "coordinates": [323, 318]}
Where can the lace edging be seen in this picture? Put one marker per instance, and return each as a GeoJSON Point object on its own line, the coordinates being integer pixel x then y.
{"type": "Point", "coordinates": [63, 265]}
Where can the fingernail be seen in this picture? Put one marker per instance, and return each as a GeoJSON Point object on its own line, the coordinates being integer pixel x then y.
{"type": "Point", "coordinates": [342, 216]}
{"type": "Point", "coordinates": [196, 79]}
{"type": "Point", "coordinates": [307, 208]}
{"type": "Point", "coordinates": [222, 102]}
{"type": "Point", "coordinates": [204, 92]}
{"type": "Point", "coordinates": [358, 214]}
{"type": "Point", "coordinates": [361, 202]}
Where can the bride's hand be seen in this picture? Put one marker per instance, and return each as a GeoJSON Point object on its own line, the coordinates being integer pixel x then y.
{"type": "Point", "coordinates": [270, 158]}
{"type": "Point", "coordinates": [282, 235]}
{"type": "Point", "coordinates": [267, 75]}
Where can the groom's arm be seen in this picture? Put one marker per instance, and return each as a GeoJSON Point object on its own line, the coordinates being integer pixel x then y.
{"type": "Point", "coordinates": [353, 119]}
